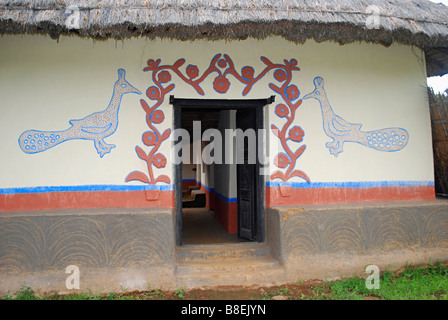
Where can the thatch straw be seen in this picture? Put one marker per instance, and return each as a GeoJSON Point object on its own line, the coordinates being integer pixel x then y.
{"type": "Point", "coordinates": [416, 22]}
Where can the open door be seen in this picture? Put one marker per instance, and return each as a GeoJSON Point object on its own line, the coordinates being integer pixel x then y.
{"type": "Point", "coordinates": [246, 179]}
{"type": "Point", "coordinates": [250, 184]}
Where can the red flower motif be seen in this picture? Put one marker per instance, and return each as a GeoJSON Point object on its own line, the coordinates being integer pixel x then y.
{"type": "Point", "coordinates": [281, 160]}
{"type": "Point", "coordinates": [153, 93]}
{"type": "Point", "coordinates": [296, 134]}
{"type": "Point", "coordinates": [222, 63]}
{"type": "Point", "coordinates": [151, 65]}
{"type": "Point", "coordinates": [149, 138]}
{"type": "Point", "coordinates": [164, 77]}
{"type": "Point", "coordinates": [292, 92]}
{"type": "Point", "coordinates": [159, 160]}
{"type": "Point", "coordinates": [281, 110]}
{"type": "Point", "coordinates": [280, 75]}
{"type": "Point", "coordinates": [157, 116]}
{"type": "Point", "coordinates": [247, 73]}
{"type": "Point", "coordinates": [221, 84]}
{"type": "Point", "coordinates": [192, 71]}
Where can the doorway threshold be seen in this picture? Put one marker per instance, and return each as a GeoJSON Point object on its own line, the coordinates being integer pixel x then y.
{"type": "Point", "coordinates": [222, 250]}
{"type": "Point", "coordinates": [227, 264]}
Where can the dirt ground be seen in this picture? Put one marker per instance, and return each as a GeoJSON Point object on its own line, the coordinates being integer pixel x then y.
{"type": "Point", "coordinates": [284, 292]}
{"type": "Point", "coordinates": [292, 291]}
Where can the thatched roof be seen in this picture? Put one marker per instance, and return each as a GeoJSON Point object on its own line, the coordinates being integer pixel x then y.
{"type": "Point", "coordinates": [417, 22]}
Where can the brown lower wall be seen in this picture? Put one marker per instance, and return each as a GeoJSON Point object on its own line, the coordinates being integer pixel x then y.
{"type": "Point", "coordinates": [135, 247]}
{"type": "Point", "coordinates": [358, 228]}
{"type": "Point", "coordinates": [318, 241]}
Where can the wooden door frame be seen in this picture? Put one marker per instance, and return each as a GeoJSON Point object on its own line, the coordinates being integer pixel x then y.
{"type": "Point", "coordinates": [221, 104]}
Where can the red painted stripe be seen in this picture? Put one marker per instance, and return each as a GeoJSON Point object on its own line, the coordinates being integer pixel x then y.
{"type": "Point", "coordinates": [85, 199]}
{"type": "Point", "coordinates": [288, 196]}
{"type": "Point", "coordinates": [226, 214]}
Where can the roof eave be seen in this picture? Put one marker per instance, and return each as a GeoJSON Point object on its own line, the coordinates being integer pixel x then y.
{"type": "Point", "coordinates": [435, 48]}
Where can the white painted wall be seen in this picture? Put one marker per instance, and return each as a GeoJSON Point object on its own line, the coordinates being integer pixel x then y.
{"type": "Point", "coordinates": [44, 84]}
{"type": "Point", "coordinates": [225, 174]}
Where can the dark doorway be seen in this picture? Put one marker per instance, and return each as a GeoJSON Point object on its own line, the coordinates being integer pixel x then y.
{"type": "Point", "coordinates": [250, 184]}
{"type": "Point", "coordinates": [246, 179]}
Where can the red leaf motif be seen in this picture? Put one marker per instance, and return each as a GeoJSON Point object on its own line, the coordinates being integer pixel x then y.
{"type": "Point", "coordinates": [137, 175]}
{"type": "Point", "coordinates": [247, 89]}
{"type": "Point", "coordinates": [168, 89]}
{"type": "Point", "coordinates": [141, 153]}
{"type": "Point", "coordinates": [166, 134]}
{"type": "Point", "coordinates": [145, 106]}
{"type": "Point", "coordinates": [163, 178]}
{"type": "Point", "coordinates": [299, 173]}
{"type": "Point", "coordinates": [179, 63]}
{"type": "Point", "coordinates": [297, 104]}
{"type": "Point", "coordinates": [274, 87]}
{"type": "Point", "coordinates": [299, 151]}
{"type": "Point", "coordinates": [278, 175]}
{"type": "Point", "coordinates": [266, 61]}
{"type": "Point", "coordinates": [199, 90]}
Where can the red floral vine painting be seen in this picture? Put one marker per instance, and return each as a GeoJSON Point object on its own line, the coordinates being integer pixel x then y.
{"type": "Point", "coordinates": [223, 67]}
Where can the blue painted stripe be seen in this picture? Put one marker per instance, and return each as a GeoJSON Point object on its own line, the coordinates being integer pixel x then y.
{"type": "Point", "coordinates": [208, 189]}
{"type": "Point", "coordinates": [228, 200]}
{"type": "Point", "coordinates": [86, 188]}
{"type": "Point", "coordinates": [360, 184]}
{"type": "Point", "coordinates": [364, 184]}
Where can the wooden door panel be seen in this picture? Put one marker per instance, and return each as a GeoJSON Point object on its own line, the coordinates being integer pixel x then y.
{"type": "Point", "coordinates": [246, 187]}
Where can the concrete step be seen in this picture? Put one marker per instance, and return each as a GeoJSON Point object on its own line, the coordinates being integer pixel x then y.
{"type": "Point", "coordinates": [228, 250]}
{"type": "Point", "coordinates": [227, 265]}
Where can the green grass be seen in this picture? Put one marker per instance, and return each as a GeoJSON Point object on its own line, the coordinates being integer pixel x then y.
{"type": "Point", "coordinates": [412, 283]}
{"type": "Point", "coordinates": [279, 291]}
